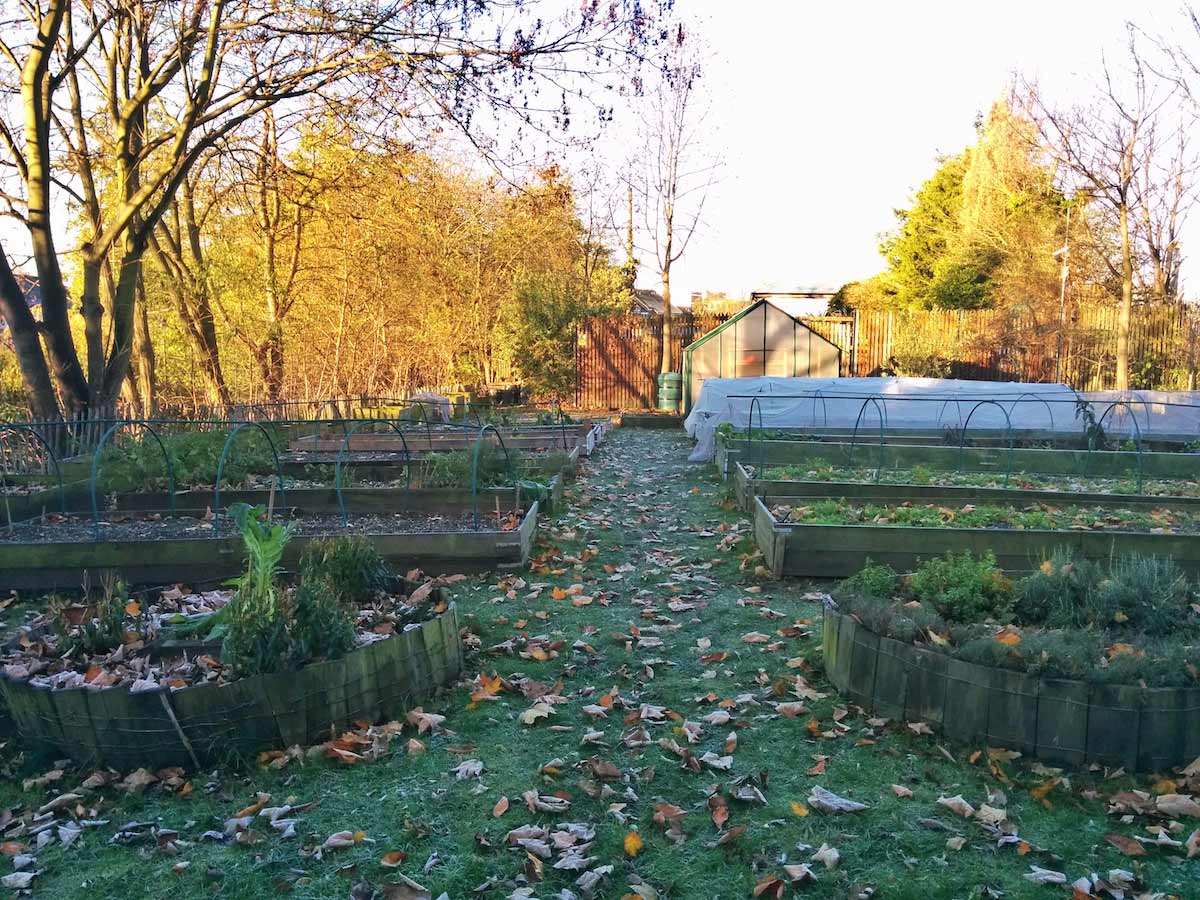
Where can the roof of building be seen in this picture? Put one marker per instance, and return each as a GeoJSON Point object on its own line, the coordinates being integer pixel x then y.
{"type": "Point", "coordinates": [647, 301]}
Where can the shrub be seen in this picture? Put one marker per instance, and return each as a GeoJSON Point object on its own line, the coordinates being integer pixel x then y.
{"type": "Point", "coordinates": [964, 589]}
{"type": "Point", "coordinates": [1058, 593]}
{"type": "Point", "coordinates": [873, 580]}
{"type": "Point", "coordinates": [349, 564]}
{"type": "Point", "coordinates": [322, 624]}
{"type": "Point", "coordinates": [1143, 593]}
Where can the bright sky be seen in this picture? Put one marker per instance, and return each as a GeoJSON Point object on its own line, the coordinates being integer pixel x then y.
{"type": "Point", "coordinates": [829, 115]}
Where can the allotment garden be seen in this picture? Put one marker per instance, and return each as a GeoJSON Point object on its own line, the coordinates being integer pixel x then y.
{"type": "Point", "coordinates": [421, 652]}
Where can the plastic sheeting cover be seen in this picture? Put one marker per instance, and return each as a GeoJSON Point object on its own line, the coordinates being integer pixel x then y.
{"type": "Point", "coordinates": [930, 403]}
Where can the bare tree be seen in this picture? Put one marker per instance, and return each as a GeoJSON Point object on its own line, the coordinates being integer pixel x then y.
{"type": "Point", "coordinates": [116, 102]}
{"type": "Point", "coordinates": [677, 170]}
{"type": "Point", "coordinates": [1108, 150]}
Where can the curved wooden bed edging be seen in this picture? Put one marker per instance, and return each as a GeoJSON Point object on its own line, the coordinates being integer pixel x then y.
{"type": "Point", "coordinates": [210, 723]}
{"type": "Point", "coordinates": [1056, 720]}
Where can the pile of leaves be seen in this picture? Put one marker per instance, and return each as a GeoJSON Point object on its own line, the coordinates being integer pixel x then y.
{"type": "Point", "coordinates": [1134, 619]}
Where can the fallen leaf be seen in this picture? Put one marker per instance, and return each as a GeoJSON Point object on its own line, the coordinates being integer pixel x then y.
{"type": "Point", "coordinates": [633, 844]}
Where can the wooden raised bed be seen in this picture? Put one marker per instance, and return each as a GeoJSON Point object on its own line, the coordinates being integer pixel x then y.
{"type": "Point", "coordinates": [418, 440]}
{"type": "Point", "coordinates": [838, 551]}
{"type": "Point", "coordinates": [1102, 463]}
{"type": "Point", "coordinates": [1060, 721]}
{"type": "Point", "coordinates": [746, 488]}
{"type": "Point", "coordinates": [323, 501]}
{"type": "Point", "coordinates": [63, 566]}
{"type": "Point", "coordinates": [19, 507]}
{"type": "Point", "coordinates": [213, 723]}
{"type": "Point", "coordinates": [367, 468]}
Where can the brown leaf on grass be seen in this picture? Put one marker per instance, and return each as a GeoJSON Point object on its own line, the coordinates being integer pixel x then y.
{"type": "Point", "coordinates": [1125, 845]}
{"type": "Point", "coordinates": [901, 791]}
{"type": "Point", "coordinates": [500, 808]}
{"type": "Point", "coordinates": [666, 812]}
{"type": "Point", "coordinates": [424, 721]}
{"type": "Point", "coordinates": [731, 742]}
{"type": "Point", "coordinates": [827, 856]}
{"type": "Point", "coordinates": [772, 886]}
{"type": "Point", "coordinates": [829, 802]}
{"type": "Point", "coordinates": [341, 839]}
{"type": "Point", "coordinates": [1193, 844]}
{"type": "Point", "coordinates": [393, 859]}
{"type": "Point", "coordinates": [718, 810]}
{"type": "Point", "coordinates": [404, 889]}
{"type": "Point", "coordinates": [790, 710]}
{"type": "Point", "coordinates": [731, 835]}
{"type": "Point", "coordinates": [755, 637]}
{"type": "Point", "coordinates": [958, 805]}
{"type": "Point", "coordinates": [1176, 805]}
{"type": "Point", "coordinates": [800, 873]}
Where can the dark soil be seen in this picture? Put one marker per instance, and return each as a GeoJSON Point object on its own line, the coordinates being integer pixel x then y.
{"type": "Point", "coordinates": [132, 527]}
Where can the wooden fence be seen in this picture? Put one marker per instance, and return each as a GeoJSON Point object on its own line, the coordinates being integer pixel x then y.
{"type": "Point", "coordinates": [617, 358]}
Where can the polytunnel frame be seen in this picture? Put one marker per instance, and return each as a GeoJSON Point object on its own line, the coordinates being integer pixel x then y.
{"type": "Point", "coordinates": [1087, 459]}
{"type": "Point", "coordinates": [221, 468]}
{"type": "Point", "coordinates": [962, 436]}
{"type": "Point", "coordinates": [22, 428]}
{"type": "Point", "coordinates": [337, 467]}
{"type": "Point", "coordinates": [761, 443]}
{"type": "Point", "coordinates": [880, 405]}
{"type": "Point", "coordinates": [475, 471]}
{"type": "Point", "coordinates": [145, 426]}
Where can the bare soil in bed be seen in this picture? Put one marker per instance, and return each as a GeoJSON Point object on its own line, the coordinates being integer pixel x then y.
{"type": "Point", "coordinates": [118, 527]}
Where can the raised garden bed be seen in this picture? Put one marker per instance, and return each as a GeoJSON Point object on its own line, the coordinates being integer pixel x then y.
{"type": "Point", "coordinates": [1057, 720]}
{"type": "Point", "coordinates": [837, 551]}
{"type": "Point", "coordinates": [976, 436]}
{"type": "Point", "coordinates": [306, 499]}
{"type": "Point", "coordinates": [163, 550]}
{"type": "Point", "coordinates": [213, 721]}
{"type": "Point", "coordinates": [1103, 463]}
{"type": "Point", "coordinates": [1098, 492]}
{"type": "Point", "coordinates": [389, 466]}
{"type": "Point", "coordinates": [419, 440]}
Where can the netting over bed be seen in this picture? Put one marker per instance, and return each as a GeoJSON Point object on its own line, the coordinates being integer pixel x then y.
{"type": "Point", "coordinates": [933, 404]}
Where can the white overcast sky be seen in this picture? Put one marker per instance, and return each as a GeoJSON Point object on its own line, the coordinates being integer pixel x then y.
{"type": "Point", "coordinates": [828, 116]}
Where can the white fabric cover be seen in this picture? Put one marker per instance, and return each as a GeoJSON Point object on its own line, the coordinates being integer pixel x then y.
{"type": "Point", "coordinates": [932, 403]}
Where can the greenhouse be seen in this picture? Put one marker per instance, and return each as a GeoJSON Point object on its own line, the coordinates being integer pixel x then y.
{"type": "Point", "coordinates": [761, 340]}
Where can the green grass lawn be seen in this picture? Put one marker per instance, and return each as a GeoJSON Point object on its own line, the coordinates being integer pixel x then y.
{"type": "Point", "coordinates": [660, 556]}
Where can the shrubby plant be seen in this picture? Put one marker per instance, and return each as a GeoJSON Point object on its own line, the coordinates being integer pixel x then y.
{"type": "Point", "coordinates": [964, 589]}
{"type": "Point", "coordinates": [1131, 620]}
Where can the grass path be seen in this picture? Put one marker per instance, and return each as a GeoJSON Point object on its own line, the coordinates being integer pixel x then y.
{"type": "Point", "coordinates": [645, 617]}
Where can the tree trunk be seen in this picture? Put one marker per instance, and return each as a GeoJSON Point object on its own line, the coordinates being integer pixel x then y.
{"type": "Point", "coordinates": [35, 375]}
{"type": "Point", "coordinates": [667, 361]}
{"type": "Point", "coordinates": [270, 362]}
{"type": "Point", "coordinates": [143, 350]}
{"type": "Point", "coordinates": [1125, 313]}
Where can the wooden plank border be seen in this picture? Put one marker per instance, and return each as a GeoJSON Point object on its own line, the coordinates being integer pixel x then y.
{"type": "Point", "coordinates": [1060, 721]}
